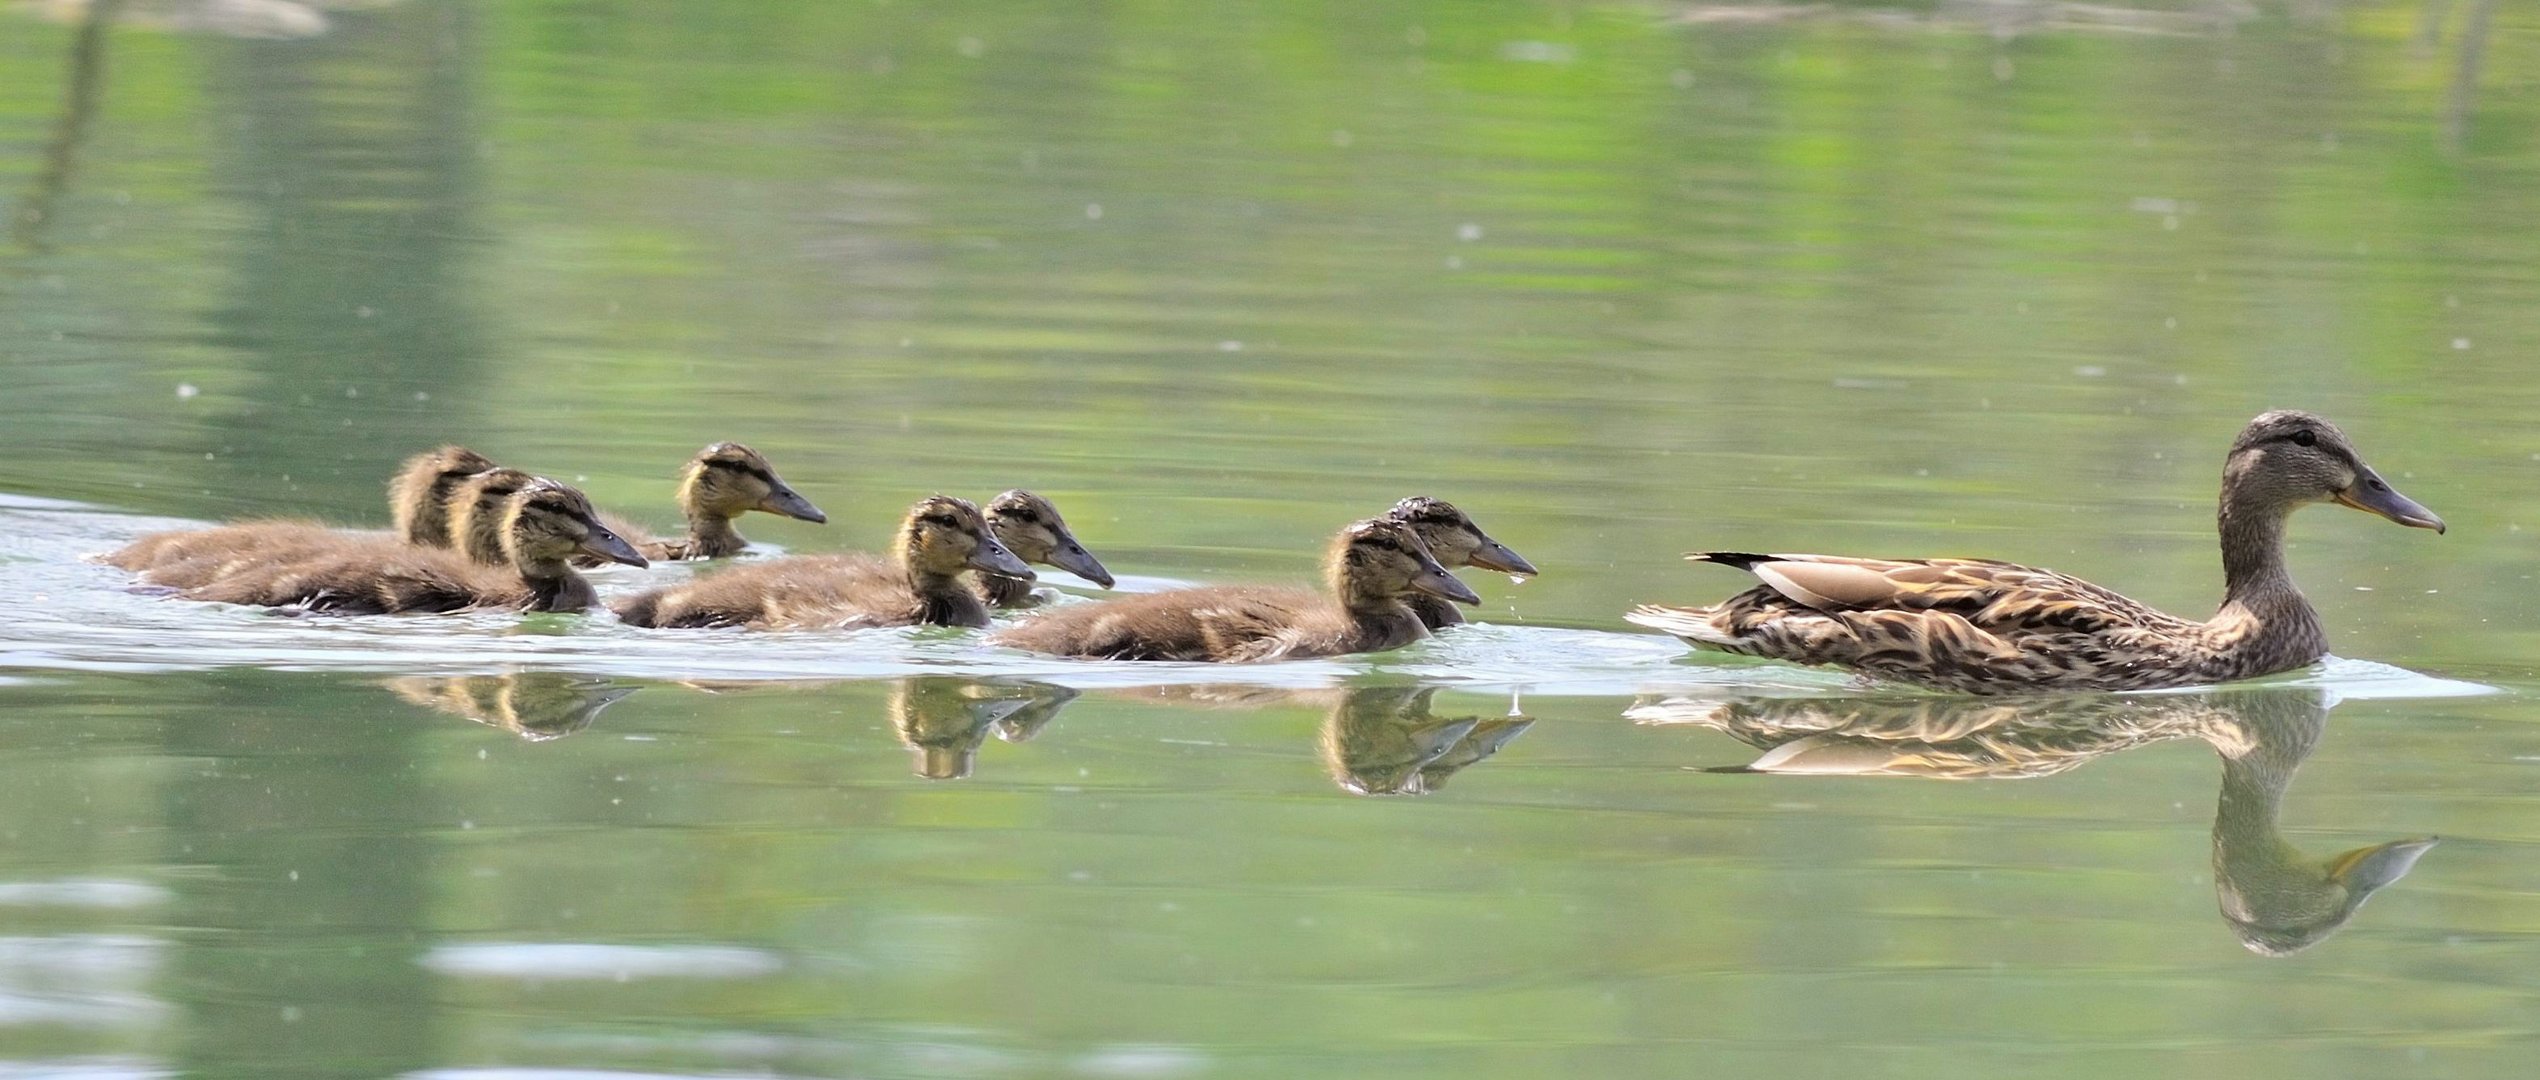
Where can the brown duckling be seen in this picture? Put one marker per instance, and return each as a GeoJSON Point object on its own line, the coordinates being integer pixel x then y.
{"type": "Point", "coordinates": [940, 538]}
{"type": "Point", "coordinates": [419, 495]}
{"type": "Point", "coordinates": [1373, 566]}
{"type": "Point", "coordinates": [1456, 542]}
{"type": "Point", "coordinates": [1029, 526]}
{"type": "Point", "coordinates": [545, 525]}
{"type": "Point", "coordinates": [723, 482]}
{"type": "Point", "coordinates": [186, 558]}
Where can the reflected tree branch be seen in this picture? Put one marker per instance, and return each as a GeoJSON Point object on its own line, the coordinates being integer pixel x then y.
{"type": "Point", "coordinates": [79, 107]}
{"type": "Point", "coordinates": [2456, 112]}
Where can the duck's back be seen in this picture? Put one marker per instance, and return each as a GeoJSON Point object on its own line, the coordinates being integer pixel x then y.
{"type": "Point", "coordinates": [1227, 623]}
{"type": "Point", "coordinates": [192, 557]}
{"type": "Point", "coordinates": [365, 576]}
{"type": "Point", "coordinates": [798, 592]}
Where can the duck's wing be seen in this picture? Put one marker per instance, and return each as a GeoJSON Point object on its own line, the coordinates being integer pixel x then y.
{"type": "Point", "coordinates": [1994, 597]}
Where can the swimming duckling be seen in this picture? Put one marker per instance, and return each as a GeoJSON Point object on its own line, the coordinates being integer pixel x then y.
{"type": "Point", "coordinates": [939, 539]}
{"type": "Point", "coordinates": [1373, 566]}
{"type": "Point", "coordinates": [185, 558]}
{"type": "Point", "coordinates": [1980, 626]}
{"type": "Point", "coordinates": [545, 525]}
{"type": "Point", "coordinates": [1029, 526]}
{"type": "Point", "coordinates": [723, 482]}
{"type": "Point", "coordinates": [419, 495]}
{"type": "Point", "coordinates": [1456, 542]}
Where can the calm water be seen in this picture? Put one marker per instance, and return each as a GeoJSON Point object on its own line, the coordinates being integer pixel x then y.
{"type": "Point", "coordinates": [1622, 279]}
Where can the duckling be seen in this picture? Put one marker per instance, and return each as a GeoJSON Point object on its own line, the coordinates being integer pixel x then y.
{"type": "Point", "coordinates": [1456, 542]}
{"type": "Point", "coordinates": [1030, 527]}
{"type": "Point", "coordinates": [185, 558]}
{"type": "Point", "coordinates": [545, 525]}
{"type": "Point", "coordinates": [419, 495]}
{"type": "Point", "coordinates": [1373, 566]}
{"type": "Point", "coordinates": [940, 538]}
{"type": "Point", "coordinates": [723, 482]}
{"type": "Point", "coordinates": [1979, 626]}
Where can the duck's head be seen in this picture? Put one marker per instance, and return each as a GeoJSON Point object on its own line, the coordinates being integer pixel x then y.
{"type": "Point", "coordinates": [1383, 560]}
{"type": "Point", "coordinates": [1030, 527]}
{"type": "Point", "coordinates": [1454, 540]}
{"type": "Point", "coordinates": [450, 464]}
{"type": "Point", "coordinates": [2288, 458]}
{"type": "Point", "coordinates": [727, 480]}
{"type": "Point", "coordinates": [546, 523]}
{"type": "Point", "coordinates": [943, 536]}
{"type": "Point", "coordinates": [476, 512]}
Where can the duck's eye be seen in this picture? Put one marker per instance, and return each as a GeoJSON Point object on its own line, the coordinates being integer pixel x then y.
{"type": "Point", "coordinates": [2306, 437]}
{"type": "Point", "coordinates": [943, 520]}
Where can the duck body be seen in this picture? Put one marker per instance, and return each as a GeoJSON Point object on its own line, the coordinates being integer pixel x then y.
{"type": "Point", "coordinates": [939, 539]}
{"type": "Point", "coordinates": [1374, 564]}
{"type": "Point", "coordinates": [308, 567]}
{"type": "Point", "coordinates": [1980, 626]}
{"type": "Point", "coordinates": [186, 558]}
{"type": "Point", "coordinates": [419, 495]}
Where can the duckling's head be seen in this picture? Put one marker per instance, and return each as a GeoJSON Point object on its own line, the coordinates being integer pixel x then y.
{"type": "Point", "coordinates": [1030, 527]}
{"type": "Point", "coordinates": [727, 480]}
{"type": "Point", "coordinates": [476, 512]}
{"type": "Point", "coordinates": [1381, 560]}
{"type": "Point", "coordinates": [452, 463]}
{"type": "Point", "coordinates": [1454, 540]}
{"type": "Point", "coordinates": [547, 523]}
{"type": "Point", "coordinates": [943, 536]}
{"type": "Point", "coordinates": [2288, 458]}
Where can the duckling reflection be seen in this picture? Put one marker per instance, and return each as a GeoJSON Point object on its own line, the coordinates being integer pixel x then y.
{"type": "Point", "coordinates": [943, 719]}
{"type": "Point", "coordinates": [1384, 740]}
{"type": "Point", "coordinates": [535, 705]}
{"type": "Point", "coordinates": [2277, 900]}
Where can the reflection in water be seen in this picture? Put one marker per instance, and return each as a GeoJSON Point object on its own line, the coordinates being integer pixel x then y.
{"type": "Point", "coordinates": [79, 107]}
{"type": "Point", "coordinates": [535, 705]}
{"type": "Point", "coordinates": [1383, 740]}
{"type": "Point", "coordinates": [943, 719]}
{"type": "Point", "coordinates": [2276, 899]}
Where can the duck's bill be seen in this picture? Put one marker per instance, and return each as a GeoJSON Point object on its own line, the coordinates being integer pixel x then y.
{"type": "Point", "coordinates": [993, 558]}
{"type": "Point", "coordinates": [788, 503]}
{"type": "Point", "coordinates": [2371, 494]}
{"type": "Point", "coordinates": [603, 544]}
{"type": "Point", "coordinates": [1439, 583]}
{"type": "Point", "coordinates": [2372, 867]}
{"type": "Point", "coordinates": [1496, 556]}
{"type": "Point", "coordinates": [1073, 558]}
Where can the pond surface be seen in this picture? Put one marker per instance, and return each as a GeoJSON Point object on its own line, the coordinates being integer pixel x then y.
{"type": "Point", "coordinates": [1621, 279]}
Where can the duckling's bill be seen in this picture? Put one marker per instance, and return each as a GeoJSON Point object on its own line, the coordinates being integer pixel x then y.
{"type": "Point", "coordinates": [603, 544]}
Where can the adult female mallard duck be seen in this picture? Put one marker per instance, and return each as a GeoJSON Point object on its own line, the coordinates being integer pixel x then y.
{"type": "Point", "coordinates": [1456, 542]}
{"type": "Point", "coordinates": [1994, 627]}
{"type": "Point", "coordinates": [419, 495]}
{"type": "Point", "coordinates": [1373, 566]}
{"type": "Point", "coordinates": [940, 538]}
{"type": "Point", "coordinates": [1029, 526]}
{"type": "Point", "coordinates": [545, 525]}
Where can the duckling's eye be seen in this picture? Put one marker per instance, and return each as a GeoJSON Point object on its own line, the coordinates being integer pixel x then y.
{"type": "Point", "coordinates": [2306, 437]}
{"type": "Point", "coordinates": [942, 520]}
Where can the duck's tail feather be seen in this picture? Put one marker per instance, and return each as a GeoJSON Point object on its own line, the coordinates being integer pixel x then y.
{"type": "Point", "coordinates": [1692, 624]}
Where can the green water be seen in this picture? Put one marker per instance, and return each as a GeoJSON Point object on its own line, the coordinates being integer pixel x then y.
{"type": "Point", "coordinates": [1620, 279]}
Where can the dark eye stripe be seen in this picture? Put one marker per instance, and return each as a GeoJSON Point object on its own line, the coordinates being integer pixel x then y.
{"type": "Point", "coordinates": [746, 469]}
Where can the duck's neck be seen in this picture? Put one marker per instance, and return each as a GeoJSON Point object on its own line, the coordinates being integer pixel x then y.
{"type": "Point", "coordinates": [553, 586]}
{"type": "Point", "coordinates": [2259, 590]}
{"type": "Point", "coordinates": [942, 599]}
{"type": "Point", "coordinates": [2261, 879]}
{"type": "Point", "coordinates": [1380, 619]}
{"type": "Point", "coordinates": [711, 536]}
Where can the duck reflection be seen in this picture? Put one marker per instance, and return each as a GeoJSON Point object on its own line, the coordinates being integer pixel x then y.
{"type": "Point", "coordinates": [535, 705]}
{"type": "Point", "coordinates": [2277, 900]}
{"type": "Point", "coordinates": [1384, 740]}
{"type": "Point", "coordinates": [944, 719]}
